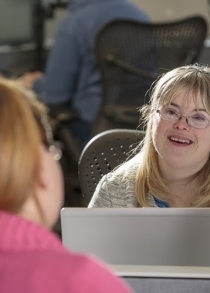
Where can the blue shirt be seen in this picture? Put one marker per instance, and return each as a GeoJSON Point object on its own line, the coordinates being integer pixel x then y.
{"type": "Point", "coordinates": [72, 77]}
{"type": "Point", "coordinates": [160, 203]}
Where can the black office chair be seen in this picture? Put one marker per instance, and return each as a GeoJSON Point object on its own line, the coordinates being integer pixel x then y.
{"type": "Point", "coordinates": [71, 153]}
{"type": "Point", "coordinates": [63, 117]}
{"type": "Point", "coordinates": [103, 153]}
{"type": "Point", "coordinates": [131, 55]}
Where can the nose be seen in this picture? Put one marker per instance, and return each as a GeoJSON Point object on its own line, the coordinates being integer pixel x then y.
{"type": "Point", "coordinates": [182, 124]}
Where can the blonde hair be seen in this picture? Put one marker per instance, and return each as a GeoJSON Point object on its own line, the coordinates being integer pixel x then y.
{"type": "Point", "coordinates": [193, 79]}
{"type": "Point", "coordinates": [21, 132]}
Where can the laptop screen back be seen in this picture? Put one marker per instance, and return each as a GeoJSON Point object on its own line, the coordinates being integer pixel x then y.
{"type": "Point", "coordinates": [148, 236]}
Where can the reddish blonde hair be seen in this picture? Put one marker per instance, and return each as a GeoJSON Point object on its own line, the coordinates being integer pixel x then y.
{"type": "Point", "coordinates": [21, 133]}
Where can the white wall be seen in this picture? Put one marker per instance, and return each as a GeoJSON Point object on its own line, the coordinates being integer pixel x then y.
{"type": "Point", "coordinates": [158, 10]}
{"type": "Point", "coordinates": [166, 10]}
{"type": "Point", "coordinates": [52, 24]}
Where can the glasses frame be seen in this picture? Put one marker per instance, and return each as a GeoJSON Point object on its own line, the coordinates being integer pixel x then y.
{"type": "Point", "coordinates": [54, 147]}
{"type": "Point", "coordinates": [180, 116]}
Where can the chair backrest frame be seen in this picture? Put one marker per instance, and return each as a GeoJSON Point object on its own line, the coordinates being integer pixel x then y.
{"type": "Point", "coordinates": [103, 153]}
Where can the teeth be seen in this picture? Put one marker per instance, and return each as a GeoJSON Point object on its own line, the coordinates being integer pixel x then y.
{"type": "Point", "coordinates": [180, 140]}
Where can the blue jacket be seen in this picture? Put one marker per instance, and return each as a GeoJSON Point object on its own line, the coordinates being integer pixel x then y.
{"type": "Point", "coordinates": [72, 76]}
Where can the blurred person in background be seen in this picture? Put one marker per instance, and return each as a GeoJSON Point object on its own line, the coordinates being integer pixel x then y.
{"type": "Point", "coordinates": [72, 77]}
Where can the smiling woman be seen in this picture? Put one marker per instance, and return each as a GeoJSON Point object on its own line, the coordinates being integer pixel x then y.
{"type": "Point", "coordinates": [172, 166]}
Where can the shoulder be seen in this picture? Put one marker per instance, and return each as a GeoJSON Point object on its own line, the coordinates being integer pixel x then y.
{"type": "Point", "coordinates": [69, 272]}
{"type": "Point", "coordinates": [128, 168]}
{"type": "Point", "coordinates": [117, 188]}
{"type": "Point", "coordinates": [125, 172]}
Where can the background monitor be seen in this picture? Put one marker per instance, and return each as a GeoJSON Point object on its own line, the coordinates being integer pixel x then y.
{"type": "Point", "coordinates": [16, 22]}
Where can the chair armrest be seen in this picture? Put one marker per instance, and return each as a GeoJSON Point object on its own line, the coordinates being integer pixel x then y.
{"type": "Point", "coordinates": [63, 114]}
{"type": "Point", "coordinates": [122, 114]}
{"type": "Point", "coordinates": [133, 69]}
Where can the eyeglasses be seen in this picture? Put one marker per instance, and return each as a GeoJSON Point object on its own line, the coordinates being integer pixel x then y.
{"type": "Point", "coordinates": [197, 120]}
{"type": "Point", "coordinates": [55, 149]}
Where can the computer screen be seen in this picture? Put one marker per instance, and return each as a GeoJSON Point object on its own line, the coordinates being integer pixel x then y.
{"type": "Point", "coordinates": [16, 22]}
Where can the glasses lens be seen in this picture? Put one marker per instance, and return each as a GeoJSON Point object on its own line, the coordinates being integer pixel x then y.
{"type": "Point", "coordinates": [168, 113]}
{"type": "Point", "coordinates": [198, 121]}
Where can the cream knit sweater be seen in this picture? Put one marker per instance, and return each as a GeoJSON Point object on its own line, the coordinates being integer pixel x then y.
{"type": "Point", "coordinates": [117, 188]}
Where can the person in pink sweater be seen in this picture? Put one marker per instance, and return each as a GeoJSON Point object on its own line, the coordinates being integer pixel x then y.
{"type": "Point", "coordinates": [32, 258]}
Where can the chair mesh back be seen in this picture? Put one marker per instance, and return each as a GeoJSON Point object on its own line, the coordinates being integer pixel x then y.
{"type": "Point", "coordinates": [152, 48]}
{"type": "Point", "coordinates": [102, 154]}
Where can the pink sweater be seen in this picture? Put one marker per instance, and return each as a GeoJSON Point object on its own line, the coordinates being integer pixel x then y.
{"type": "Point", "coordinates": [32, 260]}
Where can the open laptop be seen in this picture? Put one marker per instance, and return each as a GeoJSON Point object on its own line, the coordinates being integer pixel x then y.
{"type": "Point", "coordinates": [140, 237]}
